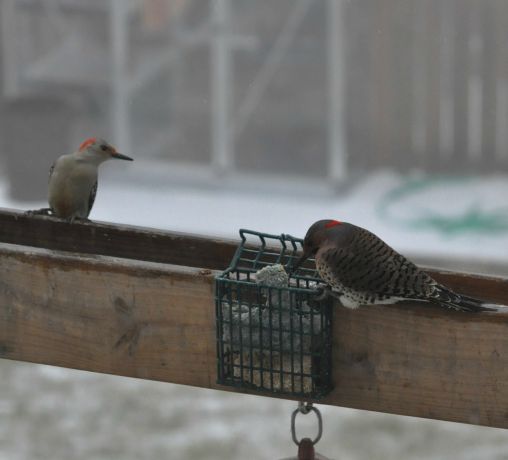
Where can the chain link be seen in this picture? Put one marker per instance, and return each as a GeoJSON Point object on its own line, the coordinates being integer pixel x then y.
{"type": "Point", "coordinates": [306, 408]}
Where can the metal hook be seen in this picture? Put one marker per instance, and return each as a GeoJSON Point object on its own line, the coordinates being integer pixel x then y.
{"type": "Point", "coordinates": [304, 407]}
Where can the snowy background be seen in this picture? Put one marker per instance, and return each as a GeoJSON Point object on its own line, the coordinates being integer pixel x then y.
{"type": "Point", "coordinates": [48, 412]}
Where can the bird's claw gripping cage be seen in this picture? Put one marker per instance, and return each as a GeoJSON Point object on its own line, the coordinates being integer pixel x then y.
{"type": "Point", "coordinates": [273, 328]}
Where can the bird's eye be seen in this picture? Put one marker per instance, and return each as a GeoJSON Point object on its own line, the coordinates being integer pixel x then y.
{"type": "Point", "coordinates": [104, 148]}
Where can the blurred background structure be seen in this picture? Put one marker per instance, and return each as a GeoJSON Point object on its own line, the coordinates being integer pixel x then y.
{"type": "Point", "coordinates": [316, 88]}
{"type": "Point", "coordinates": [268, 114]}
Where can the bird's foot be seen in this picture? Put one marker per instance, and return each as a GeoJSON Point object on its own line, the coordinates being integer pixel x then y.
{"type": "Point", "coordinates": [322, 294]}
{"type": "Point", "coordinates": [73, 219]}
{"type": "Point", "coordinates": [39, 212]}
{"type": "Point", "coordinates": [326, 292]}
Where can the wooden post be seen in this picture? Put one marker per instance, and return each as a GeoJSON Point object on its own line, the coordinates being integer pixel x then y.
{"type": "Point", "coordinates": [154, 319]}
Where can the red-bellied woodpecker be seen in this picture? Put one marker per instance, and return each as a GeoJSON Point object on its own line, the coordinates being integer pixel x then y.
{"type": "Point", "coordinates": [73, 179]}
{"type": "Point", "coordinates": [361, 269]}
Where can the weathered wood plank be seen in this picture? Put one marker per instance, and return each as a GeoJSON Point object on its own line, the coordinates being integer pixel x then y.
{"type": "Point", "coordinates": [117, 240]}
{"type": "Point", "coordinates": [107, 315]}
{"type": "Point", "coordinates": [432, 364]}
{"type": "Point", "coordinates": [137, 243]}
{"type": "Point", "coordinates": [155, 321]}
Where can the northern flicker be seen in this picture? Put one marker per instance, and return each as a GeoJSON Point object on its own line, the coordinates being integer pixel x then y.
{"type": "Point", "coordinates": [73, 179]}
{"type": "Point", "coordinates": [361, 269]}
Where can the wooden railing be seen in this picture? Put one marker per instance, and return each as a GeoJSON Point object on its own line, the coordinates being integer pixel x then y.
{"type": "Point", "coordinates": [140, 302]}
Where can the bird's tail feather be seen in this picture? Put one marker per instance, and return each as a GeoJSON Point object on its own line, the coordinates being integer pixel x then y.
{"type": "Point", "coordinates": [459, 302]}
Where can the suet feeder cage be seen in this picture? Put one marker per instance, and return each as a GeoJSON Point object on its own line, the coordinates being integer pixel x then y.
{"type": "Point", "coordinates": [274, 329]}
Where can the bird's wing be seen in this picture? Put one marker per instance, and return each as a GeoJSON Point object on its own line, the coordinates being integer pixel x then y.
{"type": "Point", "coordinates": [91, 198]}
{"type": "Point", "coordinates": [51, 169]}
{"type": "Point", "coordinates": [369, 265]}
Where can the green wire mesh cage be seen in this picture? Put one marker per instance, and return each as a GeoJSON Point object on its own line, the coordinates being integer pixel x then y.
{"type": "Point", "coordinates": [274, 332]}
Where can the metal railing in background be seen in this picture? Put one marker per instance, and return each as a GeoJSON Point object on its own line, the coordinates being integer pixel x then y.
{"type": "Point", "coordinates": [390, 84]}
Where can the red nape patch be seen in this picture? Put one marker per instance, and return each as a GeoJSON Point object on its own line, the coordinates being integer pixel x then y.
{"type": "Point", "coordinates": [87, 143]}
{"type": "Point", "coordinates": [332, 223]}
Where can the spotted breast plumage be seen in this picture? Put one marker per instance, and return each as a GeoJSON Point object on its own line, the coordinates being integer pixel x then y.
{"type": "Point", "coordinates": [361, 269]}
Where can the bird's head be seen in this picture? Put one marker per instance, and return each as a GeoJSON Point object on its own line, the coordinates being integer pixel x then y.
{"type": "Point", "coordinates": [319, 233]}
{"type": "Point", "coordinates": [98, 150]}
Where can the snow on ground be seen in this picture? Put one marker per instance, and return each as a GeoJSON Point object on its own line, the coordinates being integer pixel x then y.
{"type": "Point", "coordinates": [50, 413]}
{"type": "Point", "coordinates": [47, 412]}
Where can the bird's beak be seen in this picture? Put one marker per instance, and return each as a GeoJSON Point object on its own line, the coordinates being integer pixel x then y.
{"type": "Point", "coordinates": [121, 156]}
{"type": "Point", "coordinates": [299, 262]}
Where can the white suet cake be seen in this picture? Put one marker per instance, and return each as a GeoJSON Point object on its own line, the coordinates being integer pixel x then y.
{"type": "Point", "coordinates": [272, 276]}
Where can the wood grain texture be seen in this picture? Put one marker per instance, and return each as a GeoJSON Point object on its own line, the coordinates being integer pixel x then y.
{"type": "Point", "coordinates": [155, 321]}
{"type": "Point", "coordinates": [107, 315]}
{"type": "Point", "coordinates": [139, 243]}
{"type": "Point", "coordinates": [117, 240]}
